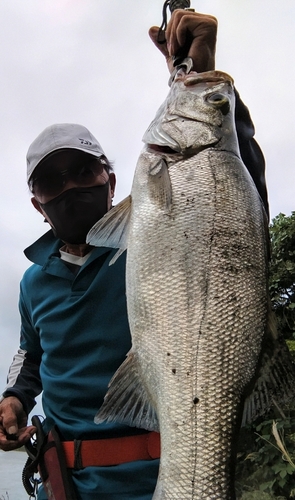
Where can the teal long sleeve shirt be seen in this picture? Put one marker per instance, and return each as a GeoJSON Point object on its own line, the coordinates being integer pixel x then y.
{"type": "Point", "coordinates": [74, 335]}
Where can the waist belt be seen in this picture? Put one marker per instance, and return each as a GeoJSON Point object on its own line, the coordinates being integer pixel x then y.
{"type": "Point", "coordinates": [113, 451]}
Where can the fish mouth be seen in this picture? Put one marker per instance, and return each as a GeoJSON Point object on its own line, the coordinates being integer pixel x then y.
{"type": "Point", "coordinates": [188, 152]}
{"type": "Point", "coordinates": [162, 149]}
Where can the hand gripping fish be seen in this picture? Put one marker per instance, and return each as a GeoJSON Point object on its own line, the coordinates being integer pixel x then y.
{"type": "Point", "coordinates": [196, 282]}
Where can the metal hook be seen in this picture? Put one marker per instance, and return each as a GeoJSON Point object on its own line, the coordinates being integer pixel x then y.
{"type": "Point", "coordinates": [186, 64]}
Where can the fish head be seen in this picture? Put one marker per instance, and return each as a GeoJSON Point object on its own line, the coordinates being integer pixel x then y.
{"type": "Point", "coordinates": [198, 113]}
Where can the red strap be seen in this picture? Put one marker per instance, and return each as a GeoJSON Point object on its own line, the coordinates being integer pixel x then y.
{"type": "Point", "coordinates": [104, 452]}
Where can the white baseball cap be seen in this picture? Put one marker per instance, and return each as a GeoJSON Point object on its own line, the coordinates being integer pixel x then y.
{"type": "Point", "coordinates": [61, 136]}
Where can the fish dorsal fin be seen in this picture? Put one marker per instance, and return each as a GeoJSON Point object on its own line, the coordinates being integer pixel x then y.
{"type": "Point", "coordinates": [126, 401]}
{"type": "Point", "coordinates": [112, 229]}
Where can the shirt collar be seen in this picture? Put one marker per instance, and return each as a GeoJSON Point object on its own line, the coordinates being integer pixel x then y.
{"type": "Point", "coordinates": [48, 246]}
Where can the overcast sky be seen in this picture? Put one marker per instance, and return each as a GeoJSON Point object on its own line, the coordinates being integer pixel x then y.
{"type": "Point", "coordinates": [92, 62]}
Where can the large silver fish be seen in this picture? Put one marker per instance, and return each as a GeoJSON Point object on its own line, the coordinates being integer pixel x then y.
{"type": "Point", "coordinates": [196, 283]}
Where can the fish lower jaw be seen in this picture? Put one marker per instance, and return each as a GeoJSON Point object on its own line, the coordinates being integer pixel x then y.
{"type": "Point", "coordinates": [162, 149]}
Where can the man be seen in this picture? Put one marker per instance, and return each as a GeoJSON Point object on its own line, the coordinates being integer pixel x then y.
{"type": "Point", "coordinates": [74, 332]}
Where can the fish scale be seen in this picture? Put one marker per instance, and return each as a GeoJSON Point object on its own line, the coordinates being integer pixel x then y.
{"type": "Point", "coordinates": [196, 286]}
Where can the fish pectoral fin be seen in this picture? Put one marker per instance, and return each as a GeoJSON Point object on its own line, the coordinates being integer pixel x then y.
{"type": "Point", "coordinates": [112, 229]}
{"type": "Point", "coordinates": [275, 380]}
{"type": "Point", "coordinates": [126, 400]}
{"type": "Point", "coordinates": [160, 188]}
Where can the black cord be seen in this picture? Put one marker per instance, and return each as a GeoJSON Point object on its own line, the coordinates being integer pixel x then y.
{"type": "Point", "coordinates": [173, 4]}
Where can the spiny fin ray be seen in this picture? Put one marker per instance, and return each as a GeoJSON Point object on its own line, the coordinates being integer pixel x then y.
{"type": "Point", "coordinates": [112, 229]}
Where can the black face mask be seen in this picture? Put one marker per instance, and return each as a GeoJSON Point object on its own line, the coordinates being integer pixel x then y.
{"type": "Point", "coordinates": [76, 210]}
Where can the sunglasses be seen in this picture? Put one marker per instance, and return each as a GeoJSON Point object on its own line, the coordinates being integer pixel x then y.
{"type": "Point", "coordinates": [53, 182]}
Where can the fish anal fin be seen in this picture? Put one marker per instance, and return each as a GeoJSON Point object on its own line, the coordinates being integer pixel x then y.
{"type": "Point", "coordinates": [112, 229]}
{"type": "Point", "coordinates": [160, 188]}
{"type": "Point", "coordinates": [126, 400]}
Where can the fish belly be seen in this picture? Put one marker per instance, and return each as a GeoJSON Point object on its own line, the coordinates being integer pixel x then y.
{"type": "Point", "coordinates": [197, 306]}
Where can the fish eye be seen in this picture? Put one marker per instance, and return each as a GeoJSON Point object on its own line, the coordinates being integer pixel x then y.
{"type": "Point", "coordinates": [220, 101]}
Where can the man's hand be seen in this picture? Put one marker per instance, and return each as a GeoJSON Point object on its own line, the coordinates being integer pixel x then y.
{"type": "Point", "coordinates": [189, 34]}
{"type": "Point", "coordinates": [13, 425]}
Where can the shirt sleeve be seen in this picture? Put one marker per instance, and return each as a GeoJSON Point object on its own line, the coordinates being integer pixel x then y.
{"type": "Point", "coordinates": [251, 153]}
{"type": "Point", "coordinates": [23, 379]}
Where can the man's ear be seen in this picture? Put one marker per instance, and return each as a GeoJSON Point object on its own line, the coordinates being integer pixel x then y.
{"type": "Point", "coordinates": [36, 205]}
{"type": "Point", "coordinates": [112, 180]}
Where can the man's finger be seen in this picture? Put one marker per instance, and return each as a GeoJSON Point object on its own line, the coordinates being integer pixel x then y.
{"type": "Point", "coordinates": [12, 415]}
{"type": "Point", "coordinates": [184, 25]}
{"type": "Point", "coordinates": [9, 421]}
{"type": "Point", "coordinates": [196, 33]}
{"type": "Point", "coordinates": [25, 434]}
{"type": "Point", "coordinates": [153, 33]}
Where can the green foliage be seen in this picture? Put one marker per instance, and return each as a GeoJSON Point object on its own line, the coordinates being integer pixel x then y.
{"type": "Point", "coordinates": [291, 346]}
{"type": "Point", "coordinates": [263, 470]}
{"type": "Point", "coordinates": [259, 495]}
{"type": "Point", "coordinates": [282, 272]}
